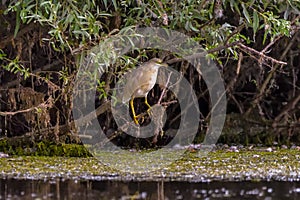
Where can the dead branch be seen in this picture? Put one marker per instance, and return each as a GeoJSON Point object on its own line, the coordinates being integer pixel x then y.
{"type": "Point", "coordinates": [271, 43]}
{"type": "Point", "coordinates": [260, 95]}
{"type": "Point", "coordinates": [164, 90]}
{"type": "Point", "coordinates": [93, 115]}
{"type": "Point", "coordinates": [233, 81]}
{"type": "Point", "coordinates": [22, 32]}
{"type": "Point", "coordinates": [46, 104]}
{"type": "Point", "coordinates": [262, 56]}
{"type": "Point", "coordinates": [45, 67]}
{"type": "Point", "coordinates": [291, 105]}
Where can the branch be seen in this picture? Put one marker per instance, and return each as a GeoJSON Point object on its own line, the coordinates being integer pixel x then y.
{"type": "Point", "coordinates": [199, 55]}
{"type": "Point", "coordinates": [164, 90]}
{"type": "Point", "coordinates": [93, 115]}
{"type": "Point", "coordinates": [45, 67]}
{"type": "Point", "coordinates": [291, 105]}
{"type": "Point", "coordinates": [43, 105]}
{"type": "Point", "coordinates": [271, 43]}
{"type": "Point", "coordinates": [260, 95]}
{"type": "Point", "coordinates": [260, 54]}
{"type": "Point", "coordinates": [23, 31]}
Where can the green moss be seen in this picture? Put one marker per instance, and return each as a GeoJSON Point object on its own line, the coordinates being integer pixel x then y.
{"type": "Point", "coordinates": [43, 148]}
{"type": "Point", "coordinates": [253, 165]}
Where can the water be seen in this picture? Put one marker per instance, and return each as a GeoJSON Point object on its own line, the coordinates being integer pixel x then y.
{"type": "Point", "coordinates": [75, 189]}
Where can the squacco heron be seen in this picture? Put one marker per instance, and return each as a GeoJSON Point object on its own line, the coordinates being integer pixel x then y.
{"type": "Point", "coordinates": [141, 81]}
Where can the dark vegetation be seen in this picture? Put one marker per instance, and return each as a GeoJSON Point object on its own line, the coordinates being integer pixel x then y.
{"type": "Point", "coordinates": [255, 44]}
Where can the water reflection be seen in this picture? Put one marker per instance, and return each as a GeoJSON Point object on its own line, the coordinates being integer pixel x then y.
{"type": "Point", "coordinates": [75, 189]}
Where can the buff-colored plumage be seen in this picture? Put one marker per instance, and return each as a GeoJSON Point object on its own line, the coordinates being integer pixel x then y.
{"type": "Point", "coordinates": [140, 82]}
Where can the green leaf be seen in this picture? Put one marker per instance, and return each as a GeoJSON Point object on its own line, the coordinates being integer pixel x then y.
{"type": "Point", "coordinates": [105, 4]}
{"type": "Point", "coordinates": [234, 6]}
{"type": "Point", "coordinates": [2, 54]}
{"type": "Point", "coordinates": [265, 36]}
{"type": "Point", "coordinates": [255, 22]}
{"type": "Point", "coordinates": [17, 23]}
{"type": "Point", "coordinates": [246, 14]}
{"type": "Point", "coordinates": [187, 26]}
{"type": "Point", "coordinates": [115, 4]}
{"type": "Point", "coordinates": [193, 28]}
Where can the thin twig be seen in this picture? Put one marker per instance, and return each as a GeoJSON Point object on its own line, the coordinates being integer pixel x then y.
{"type": "Point", "coordinates": [233, 81]}
{"type": "Point", "coordinates": [45, 67]}
{"type": "Point", "coordinates": [163, 14]}
{"type": "Point", "coordinates": [5, 41]}
{"type": "Point", "coordinates": [260, 54]}
{"type": "Point", "coordinates": [46, 104]}
{"type": "Point", "coordinates": [168, 103]}
{"type": "Point", "coordinates": [237, 30]}
{"type": "Point", "coordinates": [164, 90]}
{"type": "Point", "coordinates": [93, 115]}
{"type": "Point", "coordinates": [291, 105]}
{"type": "Point", "coordinates": [271, 43]}
{"type": "Point", "coordinates": [260, 95]}
{"type": "Point", "coordinates": [199, 55]}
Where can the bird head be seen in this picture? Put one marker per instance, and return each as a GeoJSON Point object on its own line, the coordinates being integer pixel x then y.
{"type": "Point", "coordinates": [159, 62]}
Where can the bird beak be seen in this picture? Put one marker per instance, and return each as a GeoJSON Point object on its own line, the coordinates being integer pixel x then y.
{"type": "Point", "coordinates": [163, 64]}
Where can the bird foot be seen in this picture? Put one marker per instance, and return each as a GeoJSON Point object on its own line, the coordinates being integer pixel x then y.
{"type": "Point", "coordinates": [149, 111]}
{"type": "Point", "coordinates": [162, 133]}
{"type": "Point", "coordinates": [141, 117]}
{"type": "Point", "coordinates": [136, 119]}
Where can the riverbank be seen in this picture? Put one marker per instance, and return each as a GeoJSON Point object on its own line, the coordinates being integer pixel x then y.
{"type": "Point", "coordinates": [258, 164]}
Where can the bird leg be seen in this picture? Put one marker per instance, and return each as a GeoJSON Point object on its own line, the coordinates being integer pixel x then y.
{"type": "Point", "coordinates": [149, 107]}
{"type": "Point", "coordinates": [146, 102]}
{"type": "Point", "coordinates": [135, 117]}
{"type": "Point", "coordinates": [133, 112]}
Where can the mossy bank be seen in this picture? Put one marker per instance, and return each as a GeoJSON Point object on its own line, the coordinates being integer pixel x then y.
{"type": "Point", "coordinates": [220, 165]}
